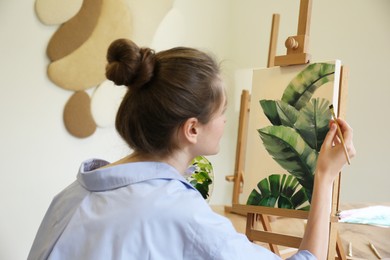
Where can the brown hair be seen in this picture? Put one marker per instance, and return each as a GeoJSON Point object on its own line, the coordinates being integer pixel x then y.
{"type": "Point", "coordinates": [165, 89]}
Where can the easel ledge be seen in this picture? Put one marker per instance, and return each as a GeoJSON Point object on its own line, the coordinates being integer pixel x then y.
{"type": "Point", "coordinates": [297, 47]}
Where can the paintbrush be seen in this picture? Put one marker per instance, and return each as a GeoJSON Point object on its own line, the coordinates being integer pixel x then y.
{"type": "Point", "coordinates": [375, 251]}
{"type": "Point", "coordinates": [340, 134]}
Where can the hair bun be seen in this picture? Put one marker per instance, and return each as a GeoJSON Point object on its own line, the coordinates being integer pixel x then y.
{"type": "Point", "coordinates": [128, 64]}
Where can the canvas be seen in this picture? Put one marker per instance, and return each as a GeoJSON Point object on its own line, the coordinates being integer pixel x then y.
{"type": "Point", "coordinates": [289, 118]}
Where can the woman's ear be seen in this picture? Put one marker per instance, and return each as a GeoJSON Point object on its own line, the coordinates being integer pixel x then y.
{"type": "Point", "coordinates": [190, 130]}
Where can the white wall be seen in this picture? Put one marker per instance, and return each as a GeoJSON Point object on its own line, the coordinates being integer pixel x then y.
{"type": "Point", "coordinates": [39, 158]}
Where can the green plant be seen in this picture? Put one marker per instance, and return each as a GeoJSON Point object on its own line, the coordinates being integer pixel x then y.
{"type": "Point", "coordinates": [299, 125]}
{"type": "Point", "coordinates": [200, 175]}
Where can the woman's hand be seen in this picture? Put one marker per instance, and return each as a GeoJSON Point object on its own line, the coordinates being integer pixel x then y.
{"type": "Point", "coordinates": [332, 157]}
{"type": "Point", "coordinates": [330, 162]}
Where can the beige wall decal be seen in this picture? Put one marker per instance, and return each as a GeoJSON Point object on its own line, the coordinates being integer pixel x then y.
{"type": "Point", "coordinates": [73, 33]}
{"type": "Point", "coordinates": [84, 68]}
{"type": "Point", "coordinates": [145, 26]}
{"type": "Point", "coordinates": [52, 12]}
{"type": "Point", "coordinates": [77, 115]}
{"type": "Point", "coordinates": [105, 102]}
{"type": "Point", "coordinates": [77, 51]}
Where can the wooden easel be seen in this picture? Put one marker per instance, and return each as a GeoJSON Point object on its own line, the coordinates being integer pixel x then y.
{"type": "Point", "coordinates": [238, 177]}
{"type": "Point", "coordinates": [297, 47]}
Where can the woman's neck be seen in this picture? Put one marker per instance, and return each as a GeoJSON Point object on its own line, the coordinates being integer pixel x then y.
{"type": "Point", "coordinates": [180, 161]}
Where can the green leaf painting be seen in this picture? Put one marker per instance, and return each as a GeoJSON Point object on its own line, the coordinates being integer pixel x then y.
{"type": "Point", "coordinates": [270, 111]}
{"type": "Point", "coordinates": [289, 149]}
{"type": "Point", "coordinates": [288, 114]}
{"type": "Point", "coordinates": [299, 126]}
{"type": "Point", "coordinates": [280, 190]}
{"type": "Point", "coordinates": [313, 122]}
{"type": "Point", "coordinates": [302, 87]}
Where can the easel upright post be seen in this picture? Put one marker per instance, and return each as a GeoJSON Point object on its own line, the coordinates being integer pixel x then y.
{"type": "Point", "coordinates": [273, 40]}
{"type": "Point", "coordinates": [237, 178]}
{"type": "Point", "coordinates": [298, 45]}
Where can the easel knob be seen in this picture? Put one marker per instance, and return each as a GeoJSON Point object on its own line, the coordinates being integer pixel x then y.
{"type": "Point", "coordinates": [291, 43]}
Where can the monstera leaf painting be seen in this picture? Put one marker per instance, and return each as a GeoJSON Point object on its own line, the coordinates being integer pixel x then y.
{"type": "Point", "coordinates": [290, 112]}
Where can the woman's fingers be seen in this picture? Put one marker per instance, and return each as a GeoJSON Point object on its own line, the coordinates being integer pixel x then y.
{"type": "Point", "coordinates": [331, 135]}
{"type": "Point", "coordinates": [332, 157]}
{"type": "Point", "coordinates": [347, 133]}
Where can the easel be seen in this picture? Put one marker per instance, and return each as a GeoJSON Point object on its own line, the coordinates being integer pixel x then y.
{"type": "Point", "coordinates": [297, 47]}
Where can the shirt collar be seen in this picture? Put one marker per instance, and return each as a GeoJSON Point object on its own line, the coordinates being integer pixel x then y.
{"type": "Point", "coordinates": [94, 178]}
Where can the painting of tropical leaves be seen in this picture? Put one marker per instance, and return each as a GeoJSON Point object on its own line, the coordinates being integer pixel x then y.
{"type": "Point", "coordinates": [313, 122]}
{"type": "Point", "coordinates": [279, 112]}
{"type": "Point", "coordinates": [299, 126]}
{"type": "Point", "coordinates": [270, 110]}
{"type": "Point", "coordinates": [290, 151]}
{"type": "Point", "coordinates": [281, 190]}
{"type": "Point", "coordinates": [302, 87]}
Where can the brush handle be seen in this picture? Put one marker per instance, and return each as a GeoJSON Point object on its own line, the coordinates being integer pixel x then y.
{"type": "Point", "coordinates": [375, 251]}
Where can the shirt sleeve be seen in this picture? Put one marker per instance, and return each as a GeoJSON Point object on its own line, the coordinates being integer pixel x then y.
{"type": "Point", "coordinates": [56, 218]}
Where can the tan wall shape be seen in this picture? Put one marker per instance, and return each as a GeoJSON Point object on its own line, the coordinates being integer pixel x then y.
{"type": "Point", "coordinates": [52, 12]}
{"type": "Point", "coordinates": [77, 115]}
{"type": "Point", "coordinates": [73, 33]}
{"type": "Point", "coordinates": [78, 49]}
{"type": "Point", "coordinates": [84, 68]}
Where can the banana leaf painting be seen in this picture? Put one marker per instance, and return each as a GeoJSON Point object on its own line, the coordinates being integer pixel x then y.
{"type": "Point", "coordinates": [290, 131]}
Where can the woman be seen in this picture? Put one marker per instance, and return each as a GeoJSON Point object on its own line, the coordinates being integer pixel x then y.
{"type": "Point", "coordinates": [141, 207]}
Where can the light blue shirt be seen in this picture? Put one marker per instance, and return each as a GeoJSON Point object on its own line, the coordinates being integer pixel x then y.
{"type": "Point", "coordinates": [143, 210]}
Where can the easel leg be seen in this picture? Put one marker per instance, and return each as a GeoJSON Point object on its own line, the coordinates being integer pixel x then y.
{"type": "Point", "coordinates": [250, 222]}
{"type": "Point", "coordinates": [335, 244]}
{"type": "Point", "coordinates": [332, 241]}
{"type": "Point", "coordinates": [340, 249]}
{"type": "Point", "coordinates": [267, 227]}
